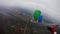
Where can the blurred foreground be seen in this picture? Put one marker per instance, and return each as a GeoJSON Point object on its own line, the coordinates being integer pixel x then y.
{"type": "Point", "coordinates": [14, 25]}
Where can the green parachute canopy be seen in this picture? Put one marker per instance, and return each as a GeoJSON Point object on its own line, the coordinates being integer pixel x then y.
{"type": "Point", "coordinates": [37, 13]}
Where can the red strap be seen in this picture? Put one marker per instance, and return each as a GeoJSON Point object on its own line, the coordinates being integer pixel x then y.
{"type": "Point", "coordinates": [53, 28]}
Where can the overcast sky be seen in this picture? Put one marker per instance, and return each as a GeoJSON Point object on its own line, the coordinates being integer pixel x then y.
{"type": "Point", "coordinates": [51, 4]}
